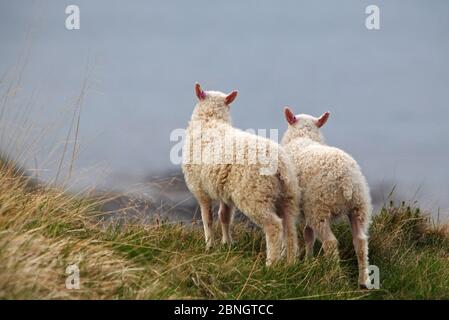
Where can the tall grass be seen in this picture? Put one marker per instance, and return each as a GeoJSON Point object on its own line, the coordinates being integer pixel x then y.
{"type": "Point", "coordinates": [43, 230]}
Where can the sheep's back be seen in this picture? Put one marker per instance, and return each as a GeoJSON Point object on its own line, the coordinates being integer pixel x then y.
{"type": "Point", "coordinates": [239, 178]}
{"type": "Point", "coordinates": [330, 176]}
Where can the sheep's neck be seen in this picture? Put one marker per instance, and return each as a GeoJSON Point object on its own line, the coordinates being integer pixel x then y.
{"type": "Point", "coordinates": [302, 137]}
{"type": "Point", "coordinates": [202, 121]}
{"type": "Point", "coordinates": [305, 142]}
{"type": "Point", "coordinates": [207, 115]}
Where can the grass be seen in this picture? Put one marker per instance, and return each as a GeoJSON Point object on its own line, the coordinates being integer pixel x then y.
{"type": "Point", "coordinates": [43, 230]}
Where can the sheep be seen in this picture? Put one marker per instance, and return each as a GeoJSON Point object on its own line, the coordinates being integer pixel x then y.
{"type": "Point", "coordinates": [331, 185]}
{"type": "Point", "coordinates": [267, 195]}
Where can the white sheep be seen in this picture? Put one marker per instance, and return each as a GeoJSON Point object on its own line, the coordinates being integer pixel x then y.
{"type": "Point", "coordinates": [331, 185]}
{"type": "Point", "coordinates": [222, 163]}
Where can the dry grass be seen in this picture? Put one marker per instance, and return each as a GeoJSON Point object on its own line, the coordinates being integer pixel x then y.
{"type": "Point", "coordinates": [41, 233]}
{"type": "Point", "coordinates": [44, 230]}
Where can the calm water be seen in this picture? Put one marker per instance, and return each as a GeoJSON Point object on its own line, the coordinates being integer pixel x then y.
{"type": "Point", "coordinates": [387, 90]}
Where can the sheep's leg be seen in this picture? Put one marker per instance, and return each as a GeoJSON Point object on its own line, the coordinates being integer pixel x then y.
{"type": "Point", "coordinates": [272, 226]}
{"type": "Point", "coordinates": [309, 238]}
{"type": "Point", "coordinates": [359, 239]}
{"type": "Point", "coordinates": [327, 238]}
{"type": "Point", "coordinates": [207, 217]}
{"type": "Point", "coordinates": [290, 236]}
{"type": "Point", "coordinates": [226, 214]}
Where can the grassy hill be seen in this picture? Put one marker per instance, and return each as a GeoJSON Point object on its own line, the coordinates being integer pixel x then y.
{"type": "Point", "coordinates": [44, 230]}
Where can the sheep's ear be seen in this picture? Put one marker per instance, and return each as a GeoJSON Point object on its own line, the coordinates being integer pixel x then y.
{"type": "Point", "coordinates": [199, 92]}
{"type": "Point", "coordinates": [289, 116]}
{"type": "Point", "coordinates": [231, 97]}
{"type": "Point", "coordinates": [323, 119]}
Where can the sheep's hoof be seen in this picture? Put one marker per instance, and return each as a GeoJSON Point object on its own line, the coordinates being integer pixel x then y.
{"type": "Point", "coordinates": [228, 243]}
{"type": "Point", "coordinates": [363, 287]}
{"type": "Point", "coordinates": [309, 258]}
{"type": "Point", "coordinates": [270, 263]}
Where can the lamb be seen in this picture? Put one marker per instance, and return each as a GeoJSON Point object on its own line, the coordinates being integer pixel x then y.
{"type": "Point", "coordinates": [331, 185]}
{"type": "Point", "coordinates": [268, 195]}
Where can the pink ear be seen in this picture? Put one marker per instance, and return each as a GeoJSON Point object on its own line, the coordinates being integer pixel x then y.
{"type": "Point", "coordinates": [231, 97]}
{"type": "Point", "coordinates": [199, 92]}
{"type": "Point", "coordinates": [323, 119]}
{"type": "Point", "coordinates": [291, 118]}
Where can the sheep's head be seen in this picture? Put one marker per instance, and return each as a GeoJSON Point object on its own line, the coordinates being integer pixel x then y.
{"type": "Point", "coordinates": [304, 125]}
{"type": "Point", "coordinates": [213, 105]}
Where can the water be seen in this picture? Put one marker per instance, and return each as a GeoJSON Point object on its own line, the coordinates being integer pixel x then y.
{"type": "Point", "coordinates": [387, 90]}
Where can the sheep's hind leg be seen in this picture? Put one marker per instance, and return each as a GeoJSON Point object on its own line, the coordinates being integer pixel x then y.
{"type": "Point", "coordinates": [226, 213]}
{"type": "Point", "coordinates": [272, 227]}
{"type": "Point", "coordinates": [309, 238]}
{"type": "Point", "coordinates": [360, 241]}
{"type": "Point", "coordinates": [207, 217]}
{"type": "Point", "coordinates": [327, 238]}
{"type": "Point", "coordinates": [290, 236]}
